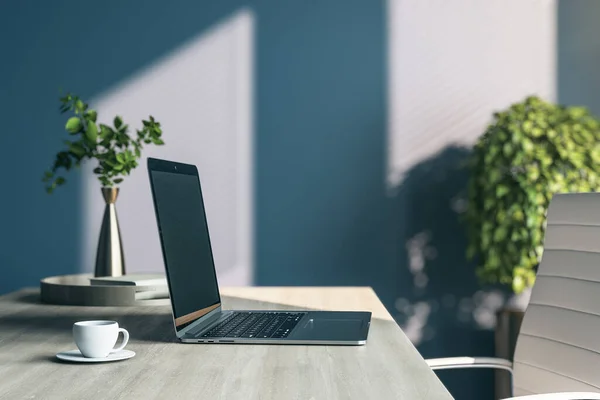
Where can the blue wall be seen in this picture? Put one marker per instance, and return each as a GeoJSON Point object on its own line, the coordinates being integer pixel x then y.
{"type": "Point", "coordinates": [39, 235]}
{"type": "Point", "coordinates": [321, 206]}
{"type": "Point", "coordinates": [579, 53]}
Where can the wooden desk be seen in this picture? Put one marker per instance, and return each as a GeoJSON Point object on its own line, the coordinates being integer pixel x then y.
{"type": "Point", "coordinates": [387, 367]}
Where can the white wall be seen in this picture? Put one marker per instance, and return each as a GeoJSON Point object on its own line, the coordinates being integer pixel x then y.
{"type": "Point", "coordinates": [202, 95]}
{"type": "Point", "coordinates": [452, 63]}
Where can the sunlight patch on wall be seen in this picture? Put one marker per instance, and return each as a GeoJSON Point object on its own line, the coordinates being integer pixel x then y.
{"type": "Point", "coordinates": [453, 63]}
{"type": "Point", "coordinates": [202, 94]}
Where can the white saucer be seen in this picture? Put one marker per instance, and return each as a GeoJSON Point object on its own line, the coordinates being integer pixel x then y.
{"type": "Point", "coordinates": [76, 356]}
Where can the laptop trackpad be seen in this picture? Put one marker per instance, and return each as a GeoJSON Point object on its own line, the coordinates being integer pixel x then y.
{"type": "Point", "coordinates": [333, 329]}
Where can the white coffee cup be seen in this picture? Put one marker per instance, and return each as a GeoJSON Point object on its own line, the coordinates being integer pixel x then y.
{"type": "Point", "coordinates": [96, 339]}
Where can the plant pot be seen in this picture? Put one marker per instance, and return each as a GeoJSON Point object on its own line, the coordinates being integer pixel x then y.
{"type": "Point", "coordinates": [109, 256]}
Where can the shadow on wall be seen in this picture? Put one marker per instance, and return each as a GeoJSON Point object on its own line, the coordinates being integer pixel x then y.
{"type": "Point", "coordinates": [443, 309]}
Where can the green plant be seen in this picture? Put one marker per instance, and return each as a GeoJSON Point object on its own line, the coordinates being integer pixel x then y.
{"type": "Point", "coordinates": [116, 152]}
{"type": "Point", "coordinates": [531, 151]}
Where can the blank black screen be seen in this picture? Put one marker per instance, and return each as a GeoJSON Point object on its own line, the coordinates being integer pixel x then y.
{"type": "Point", "coordinates": [186, 243]}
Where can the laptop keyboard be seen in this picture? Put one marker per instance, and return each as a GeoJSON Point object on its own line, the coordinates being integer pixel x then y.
{"type": "Point", "coordinates": [274, 325]}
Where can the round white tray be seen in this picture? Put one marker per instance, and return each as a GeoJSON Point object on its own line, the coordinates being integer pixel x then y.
{"type": "Point", "coordinates": [76, 290]}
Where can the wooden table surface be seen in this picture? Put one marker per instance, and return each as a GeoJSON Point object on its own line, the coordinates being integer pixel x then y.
{"type": "Point", "coordinates": [387, 367]}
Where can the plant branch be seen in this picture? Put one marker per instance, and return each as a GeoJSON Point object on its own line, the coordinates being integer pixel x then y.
{"type": "Point", "coordinates": [116, 152]}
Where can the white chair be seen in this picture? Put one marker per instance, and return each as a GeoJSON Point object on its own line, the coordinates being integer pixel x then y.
{"type": "Point", "coordinates": [557, 356]}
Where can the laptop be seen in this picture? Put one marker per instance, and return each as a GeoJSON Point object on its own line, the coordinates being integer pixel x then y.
{"type": "Point", "coordinates": [192, 279]}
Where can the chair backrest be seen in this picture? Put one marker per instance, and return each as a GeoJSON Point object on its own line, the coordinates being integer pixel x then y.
{"type": "Point", "coordinates": [558, 348]}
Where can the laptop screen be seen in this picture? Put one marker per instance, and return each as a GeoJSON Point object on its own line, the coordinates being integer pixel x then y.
{"type": "Point", "coordinates": [186, 244]}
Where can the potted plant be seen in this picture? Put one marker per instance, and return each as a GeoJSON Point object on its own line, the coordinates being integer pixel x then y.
{"type": "Point", "coordinates": [531, 151]}
{"type": "Point", "coordinates": [116, 154]}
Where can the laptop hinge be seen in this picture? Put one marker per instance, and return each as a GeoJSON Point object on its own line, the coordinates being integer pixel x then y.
{"type": "Point", "coordinates": [202, 322]}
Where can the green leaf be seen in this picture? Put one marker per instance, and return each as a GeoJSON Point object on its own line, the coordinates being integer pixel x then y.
{"type": "Point", "coordinates": [80, 106]}
{"type": "Point", "coordinates": [118, 180]}
{"type": "Point", "coordinates": [157, 141]}
{"type": "Point", "coordinates": [533, 173]}
{"type": "Point", "coordinates": [518, 216]}
{"type": "Point", "coordinates": [74, 125]}
{"type": "Point", "coordinates": [77, 149]}
{"type": "Point", "coordinates": [518, 284]}
{"type": "Point", "coordinates": [48, 175]}
{"type": "Point", "coordinates": [528, 146]}
{"type": "Point", "coordinates": [493, 260]}
{"type": "Point", "coordinates": [120, 158]}
{"type": "Point", "coordinates": [60, 181]}
{"type": "Point", "coordinates": [118, 122]}
{"type": "Point", "coordinates": [540, 199]}
{"type": "Point", "coordinates": [486, 240]}
{"type": "Point", "coordinates": [91, 132]}
{"type": "Point", "coordinates": [91, 115]}
{"type": "Point", "coordinates": [123, 129]}
{"type": "Point", "coordinates": [502, 190]}
{"type": "Point", "coordinates": [124, 137]}
{"type": "Point", "coordinates": [105, 181]}
{"type": "Point", "coordinates": [500, 234]}
{"type": "Point", "coordinates": [106, 132]}
{"type": "Point", "coordinates": [537, 132]}
{"type": "Point", "coordinates": [488, 203]}
{"type": "Point", "coordinates": [495, 175]}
